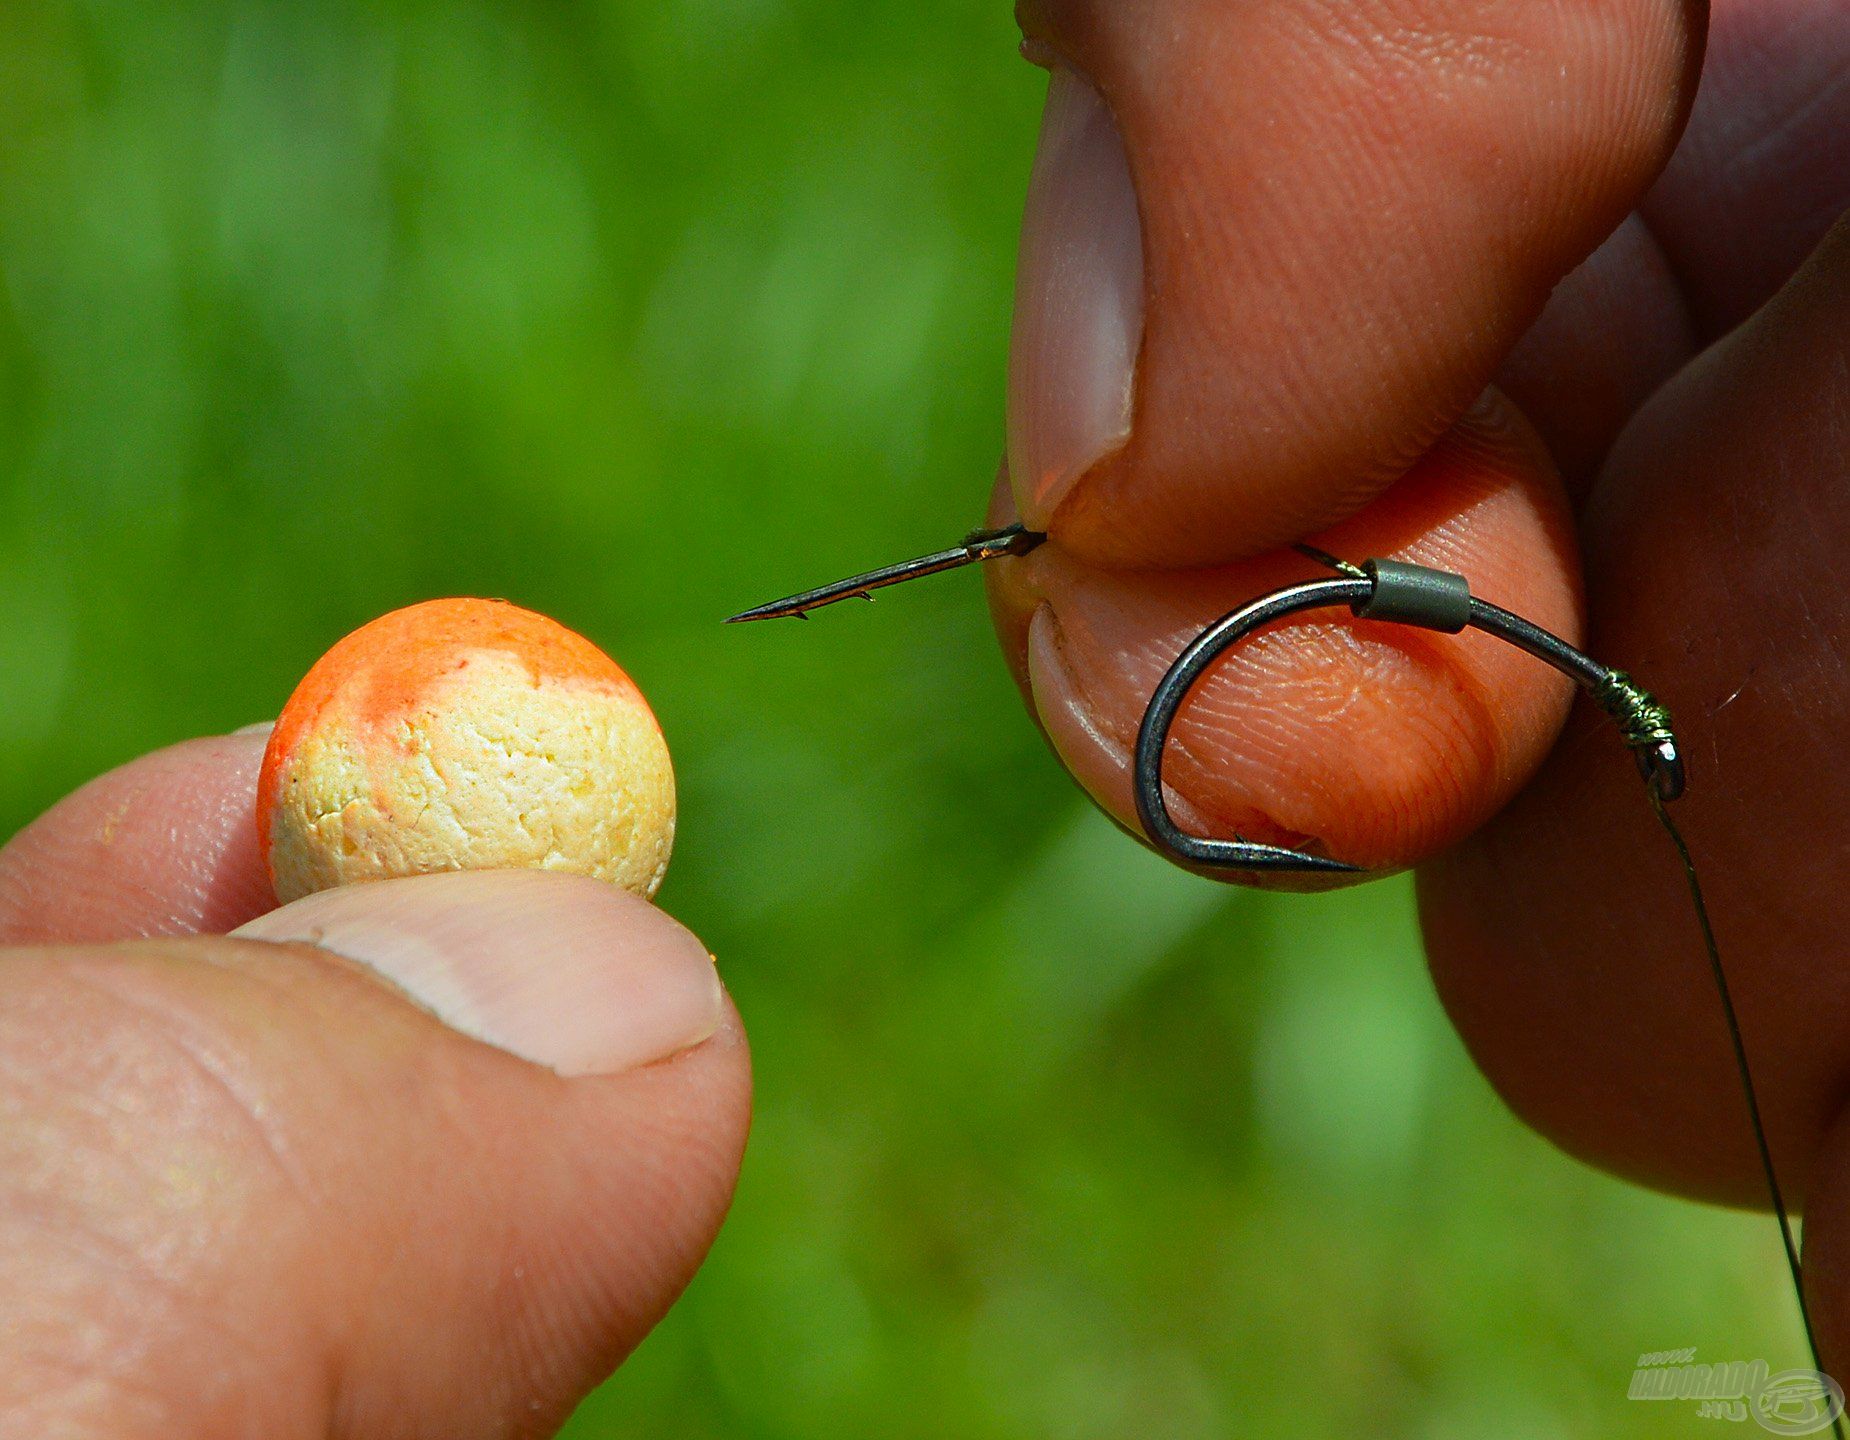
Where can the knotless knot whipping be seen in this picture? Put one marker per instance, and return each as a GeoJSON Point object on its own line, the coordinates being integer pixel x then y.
{"type": "Point", "coordinates": [1643, 722]}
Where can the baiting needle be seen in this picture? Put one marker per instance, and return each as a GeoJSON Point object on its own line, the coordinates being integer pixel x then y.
{"type": "Point", "coordinates": [977, 545]}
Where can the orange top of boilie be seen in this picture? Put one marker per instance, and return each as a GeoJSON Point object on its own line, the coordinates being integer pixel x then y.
{"type": "Point", "coordinates": [464, 734]}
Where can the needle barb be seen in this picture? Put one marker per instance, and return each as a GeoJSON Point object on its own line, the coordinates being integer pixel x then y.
{"type": "Point", "coordinates": [977, 545]}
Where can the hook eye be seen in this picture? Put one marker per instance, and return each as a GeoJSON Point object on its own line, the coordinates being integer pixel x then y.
{"type": "Point", "coordinates": [1662, 768]}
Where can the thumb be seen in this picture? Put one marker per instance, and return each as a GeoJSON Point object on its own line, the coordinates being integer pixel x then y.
{"type": "Point", "coordinates": [1271, 253]}
{"type": "Point", "coordinates": [425, 1156]}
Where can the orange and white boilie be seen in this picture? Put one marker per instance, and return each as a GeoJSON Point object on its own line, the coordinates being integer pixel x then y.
{"type": "Point", "coordinates": [465, 735]}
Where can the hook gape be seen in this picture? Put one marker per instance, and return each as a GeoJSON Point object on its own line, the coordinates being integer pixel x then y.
{"type": "Point", "coordinates": [1398, 593]}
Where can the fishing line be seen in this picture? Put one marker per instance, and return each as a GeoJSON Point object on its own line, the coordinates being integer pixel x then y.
{"type": "Point", "coordinates": [1748, 1092]}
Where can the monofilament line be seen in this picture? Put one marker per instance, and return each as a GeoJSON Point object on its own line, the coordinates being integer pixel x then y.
{"type": "Point", "coordinates": [1748, 1091]}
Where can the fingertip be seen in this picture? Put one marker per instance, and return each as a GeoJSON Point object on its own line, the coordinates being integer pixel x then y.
{"type": "Point", "coordinates": [163, 845]}
{"type": "Point", "coordinates": [416, 1216]}
{"type": "Point", "coordinates": [1203, 365]}
{"type": "Point", "coordinates": [1370, 743]}
{"type": "Point", "coordinates": [551, 1163]}
{"type": "Point", "coordinates": [569, 972]}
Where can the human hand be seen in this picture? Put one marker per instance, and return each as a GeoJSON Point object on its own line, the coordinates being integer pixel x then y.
{"type": "Point", "coordinates": [247, 1186]}
{"type": "Point", "coordinates": [1300, 288]}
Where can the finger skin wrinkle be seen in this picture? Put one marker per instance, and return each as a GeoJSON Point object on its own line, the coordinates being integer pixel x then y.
{"type": "Point", "coordinates": [1762, 172]}
{"type": "Point", "coordinates": [1781, 133]}
{"type": "Point", "coordinates": [217, 1080]}
{"type": "Point", "coordinates": [398, 1229]}
{"type": "Point", "coordinates": [89, 1358]}
{"type": "Point", "coordinates": [116, 1182]}
{"type": "Point", "coordinates": [1611, 333]}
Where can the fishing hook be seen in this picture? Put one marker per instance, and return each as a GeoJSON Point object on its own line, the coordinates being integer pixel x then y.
{"type": "Point", "coordinates": [1392, 592]}
{"type": "Point", "coordinates": [1398, 593]}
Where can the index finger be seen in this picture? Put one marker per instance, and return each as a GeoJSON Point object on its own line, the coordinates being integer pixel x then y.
{"type": "Point", "coordinates": [1273, 251]}
{"type": "Point", "coordinates": [164, 845]}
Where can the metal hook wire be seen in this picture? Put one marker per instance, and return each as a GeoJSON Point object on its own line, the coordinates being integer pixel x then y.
{"type": "Point", "coordinates": [1405, 594]}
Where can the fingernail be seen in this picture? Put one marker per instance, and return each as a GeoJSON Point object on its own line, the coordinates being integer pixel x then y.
{"type": "Point", "coordinates": [1094, 758]}
{"type": "Point", "coordinates": [260, 727]}
{"type": "Point", "coordinates": [567, 972]}
{"type": "Point", "coordinates": [1078, 301]}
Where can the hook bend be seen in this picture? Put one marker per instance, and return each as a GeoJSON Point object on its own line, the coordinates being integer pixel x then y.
{"type": "Point", "coordinates": [1394, 592]}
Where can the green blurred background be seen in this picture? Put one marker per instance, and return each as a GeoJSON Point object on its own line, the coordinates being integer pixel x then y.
{"type": "Point", "coordinates": [641, 312]}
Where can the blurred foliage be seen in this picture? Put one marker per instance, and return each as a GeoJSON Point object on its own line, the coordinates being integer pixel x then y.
{"type": "Point", "coordinates": [639, 313]}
